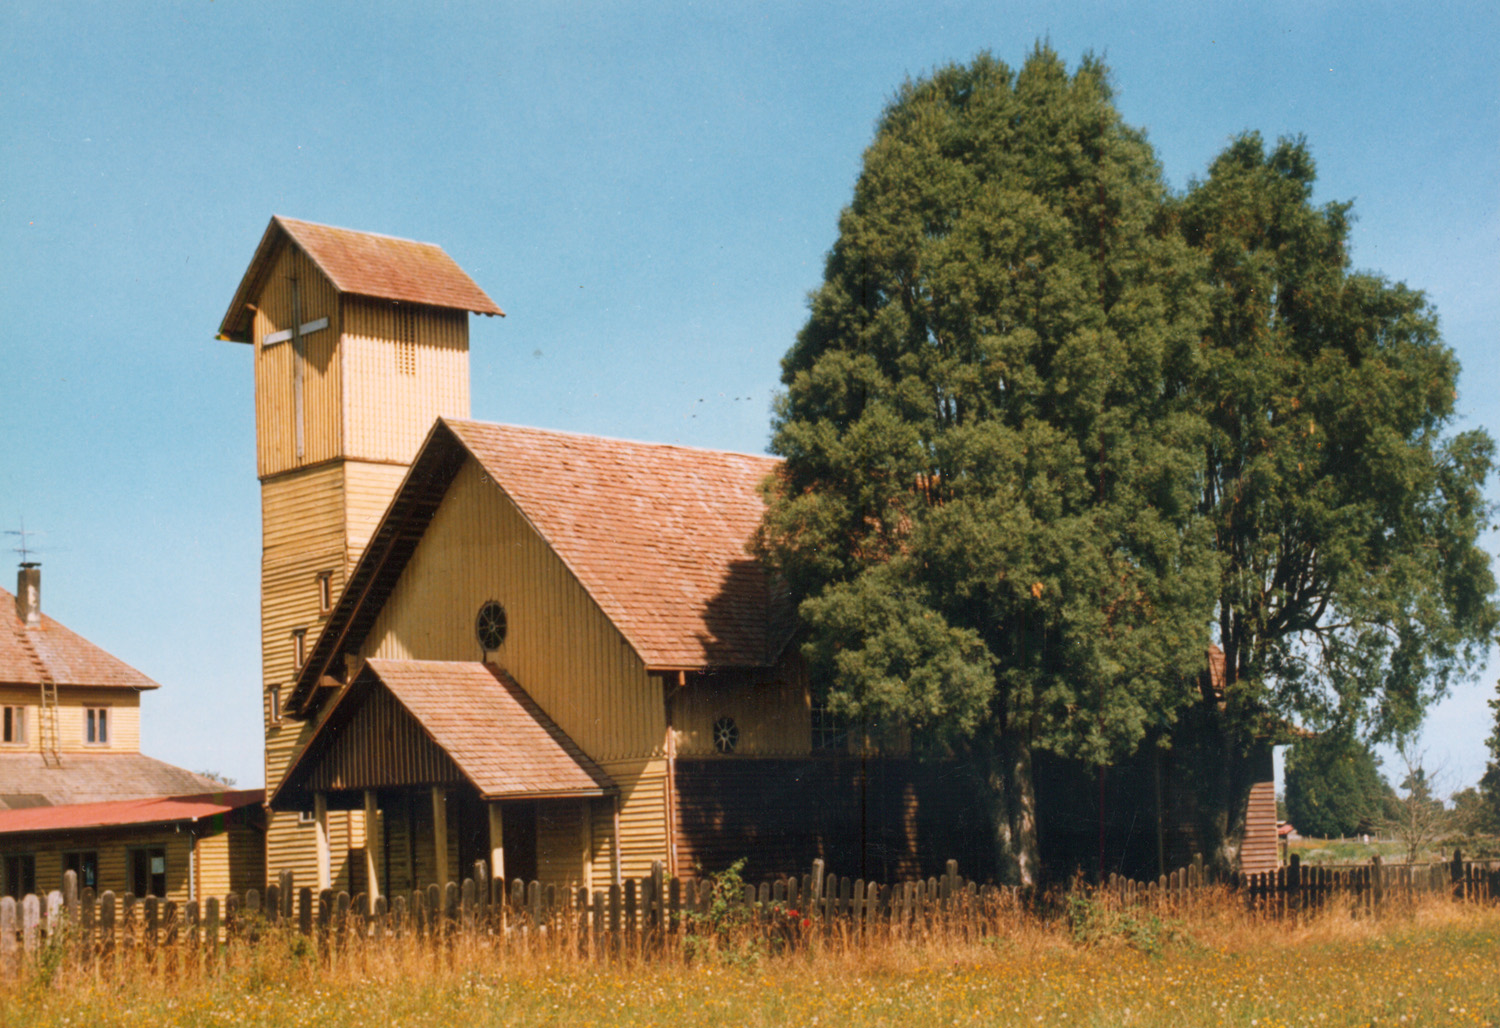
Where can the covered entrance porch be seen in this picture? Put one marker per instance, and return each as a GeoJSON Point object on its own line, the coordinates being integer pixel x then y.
{"type": "Point", "coordinates": [450, 763]}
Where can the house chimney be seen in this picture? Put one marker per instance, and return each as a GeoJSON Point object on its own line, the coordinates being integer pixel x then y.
{"type": "Point", "coordinates": [29, 593]}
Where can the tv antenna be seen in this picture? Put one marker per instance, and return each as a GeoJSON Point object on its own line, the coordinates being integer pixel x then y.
{"type": "Point", "coordinates": [26, 550]}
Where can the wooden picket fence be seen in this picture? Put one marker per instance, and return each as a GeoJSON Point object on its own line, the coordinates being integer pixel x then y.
{"type": "Point", "coordinates": [639, 918]}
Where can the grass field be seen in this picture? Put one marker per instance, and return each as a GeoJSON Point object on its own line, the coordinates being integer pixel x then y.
{"type": "Point", "coordinates": [1437, 965]}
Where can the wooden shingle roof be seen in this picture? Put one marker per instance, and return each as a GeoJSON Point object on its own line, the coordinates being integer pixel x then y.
{"type": "Point", "coordinates": [497, 735]}
{"type": "Point", "coordinates": [26, 654]}
{"type": "Point", "coordinates": [361, 264]}
{"type": "Point", "coordinates": [28, 781]}
{"type": "Point", "coordinates": [482, 723]}
{"type": "Point", "coordinates": [656, 534]}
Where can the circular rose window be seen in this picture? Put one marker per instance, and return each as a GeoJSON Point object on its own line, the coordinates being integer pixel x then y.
{"type": "Point", "coordinates": [726, 735]}
{"type": "Point", "coordinates": [489, 626]}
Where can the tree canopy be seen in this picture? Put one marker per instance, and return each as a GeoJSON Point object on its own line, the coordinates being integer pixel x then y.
{"type": "Point", "coordinates": [1334, 786]}
{"type": "Point", "coordinates": [987, 504]}
{"type": "Point", "coordinates": [1048, 429]}
{"type": "Point", "coordinates": [1352, 588]}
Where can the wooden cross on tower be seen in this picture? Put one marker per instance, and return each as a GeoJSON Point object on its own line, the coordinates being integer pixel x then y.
{"type": "Point", "coordinates": [298, 330]}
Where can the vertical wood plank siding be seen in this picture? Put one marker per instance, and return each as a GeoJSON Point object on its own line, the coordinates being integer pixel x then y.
{"type": "Point", "coordinates": [560, 646]}
{"type": "Point", "coordinates": [384, 744]}
{"type": "Point", "coordinates": [404, 366]}
{"type": "Point", "coordinates": [276, 434]}
{"type": "Point", "coordinates": [769, 708]}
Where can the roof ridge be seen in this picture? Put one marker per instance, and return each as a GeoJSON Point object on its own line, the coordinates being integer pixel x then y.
{"type": "Point", "coordinates": [284, 219]}
{"type": "Point", "coordinates": [569, 433]}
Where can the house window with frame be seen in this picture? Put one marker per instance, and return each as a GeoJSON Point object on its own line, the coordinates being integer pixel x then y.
{"type": "Point", "coordinates": [84, 864]}
{"type": "Point", "coordinates": [299, 648]}
{"type": "Point", "coordinates": [830, 731]}
{"type": "Point", "coordinates": [148, 872]}
{"type": "Point", "coordinates": [273, 704]}
{"type": "Point", "coordinates": [325, 591]}
{"type": "Point", "coordinates": [20, 875]}
{"type": "Point", "coordinates": [96, 726]}
{"type": "Point", "coordinates": [15, 725]}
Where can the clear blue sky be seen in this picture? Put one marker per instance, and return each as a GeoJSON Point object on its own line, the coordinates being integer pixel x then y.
{"type": "Point", "coordinates": [647, 189]}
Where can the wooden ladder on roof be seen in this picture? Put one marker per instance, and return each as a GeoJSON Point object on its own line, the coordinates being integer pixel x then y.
{"type": "Point", "coordinates": [47, 723]}
{"type": "Point", "coordinates": [46, 728]}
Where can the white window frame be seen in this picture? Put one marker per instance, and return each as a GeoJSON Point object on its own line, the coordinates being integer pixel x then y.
{"type": "Point", "coordinates": [96, 726]}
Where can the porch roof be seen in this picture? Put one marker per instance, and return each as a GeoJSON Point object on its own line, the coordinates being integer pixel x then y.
{"type": "Point", "coordinates": [446, 716]}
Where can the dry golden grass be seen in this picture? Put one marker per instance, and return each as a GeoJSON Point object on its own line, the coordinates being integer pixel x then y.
{"type": "Point", "coordinates": [1092, 964]}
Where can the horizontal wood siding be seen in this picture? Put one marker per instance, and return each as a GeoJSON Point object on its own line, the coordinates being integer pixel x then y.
{"type": "Point", "coordinates": [560, 646]}
{"type": "Point", "coordinates": [124, 706]}
{"type": "Point", "coordinates": [368, 489]}
{"type": "Point", "coordinates": [212, 865]}
{"type": "Point", "coordinates": [111, 848]}
{"type": "Point", "coordinates": [292, 846]}
{"type": "Point", "coordinates": [1259, 851]}
{"type": "Point", "coordinates": [643, 813]}
{"type": "Point", "coordinates": [560, 854]}
{"type": "Point", "coordinates": [275, 404]}
{"type": "Point", "coordinates": [404, 367]}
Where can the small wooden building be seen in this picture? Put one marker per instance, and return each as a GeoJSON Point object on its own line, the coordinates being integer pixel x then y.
{"type": "Point", "coordinates": [70, 714]}
{"type": "Point", "coordinates": [173, 847]}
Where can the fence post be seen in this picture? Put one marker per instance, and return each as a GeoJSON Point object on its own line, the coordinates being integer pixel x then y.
{"type": "Point", "coordinates": [86, 911]}
{"type": "Point", "coordinates": [1456, 873]}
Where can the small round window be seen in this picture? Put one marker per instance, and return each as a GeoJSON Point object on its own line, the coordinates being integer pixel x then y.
{"type": "Point", "coordinates": [489, 626]}
{"type": "Point", "coordinates": [726, 735]}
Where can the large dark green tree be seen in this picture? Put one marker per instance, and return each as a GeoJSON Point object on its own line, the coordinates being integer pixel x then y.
{"type": "Point", "coordinates": [988, 503]}
{"type": "Point", "coordinates": [1352, 588]}
{"type": "Point", "coordinates": [1334, 786]}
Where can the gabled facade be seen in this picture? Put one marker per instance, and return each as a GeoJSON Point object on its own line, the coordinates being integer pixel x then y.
{"type": "Point", "coordinates": [70, 755]}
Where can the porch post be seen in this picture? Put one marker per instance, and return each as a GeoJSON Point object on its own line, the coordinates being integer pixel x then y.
{"type": "Point", "coordinates": [440, 835]}
{"type": "Point", "coordinates": [586, 840]}
{"type": "Point", "coordinates": [320, 833]}
{"type": "Point", "coordinates": [372, 847]}
{"type": "Point", "coordinates": [497, 843]}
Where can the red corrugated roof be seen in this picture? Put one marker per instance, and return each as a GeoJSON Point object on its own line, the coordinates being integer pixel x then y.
{"type": "Point", "coordinates": [152, 810]}
{"type": "Point", "coordinates": [26, 653]}
{"type": "Point", "coordinates": [363, 264]}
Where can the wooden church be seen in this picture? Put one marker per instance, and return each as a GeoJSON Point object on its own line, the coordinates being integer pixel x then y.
{"type": "Point", "coordinates": [549, 651]}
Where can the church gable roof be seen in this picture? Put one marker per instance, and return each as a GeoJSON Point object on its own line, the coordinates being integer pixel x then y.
{"type": "Point", "coordinates": [656, 534]}
{"type": "Point", "coordinates": [362, 264]}
{"type": "Point", "coordinates": [27, 654]}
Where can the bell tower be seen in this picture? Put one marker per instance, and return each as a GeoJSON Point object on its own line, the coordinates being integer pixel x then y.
{"type": "Point", "coordinates": [360, 342]}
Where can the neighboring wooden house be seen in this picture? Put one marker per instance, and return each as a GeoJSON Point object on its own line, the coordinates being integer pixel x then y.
{"type": "Point", "coordinates": [548, 650]}
{"type": "Point", "coordinates": [173, 847]}
{"type": "Point", "coordinates": [69, 742]}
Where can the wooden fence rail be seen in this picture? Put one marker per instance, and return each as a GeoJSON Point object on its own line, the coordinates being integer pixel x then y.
{"type": "Point", "coordinates": [639, 917]}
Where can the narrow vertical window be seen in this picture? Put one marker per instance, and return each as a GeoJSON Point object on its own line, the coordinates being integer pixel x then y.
{"type": "Point", "coordinates": [15, 724]}
{"type": "Point", "coordinates": [299, 648]}
{"type": "Point", "coordinates": [275, 705]}
{"type": "Point", "coordinates": [96, 726]}
{"type": "Point", "coordinates": [325, 591]}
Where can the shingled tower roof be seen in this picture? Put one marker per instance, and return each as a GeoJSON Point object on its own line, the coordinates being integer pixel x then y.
{"type": "Point", "coordinates": [360, 264]}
